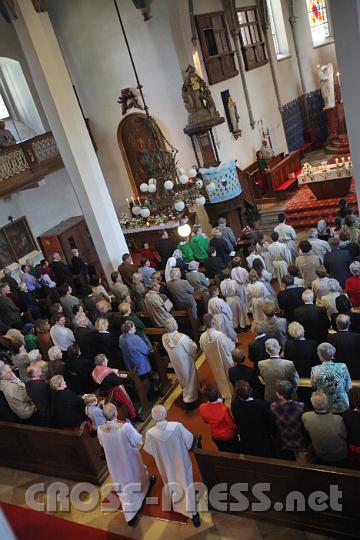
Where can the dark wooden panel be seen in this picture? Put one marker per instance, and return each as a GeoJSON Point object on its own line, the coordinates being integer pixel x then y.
{"type": "Point", "coordinates": [285, 477]}
{"type": "Point", "coordinates": [53, 452]}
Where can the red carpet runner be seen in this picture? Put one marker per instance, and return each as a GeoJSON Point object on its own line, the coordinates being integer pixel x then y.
{"type": "Point", "coordinates": [31, 525]}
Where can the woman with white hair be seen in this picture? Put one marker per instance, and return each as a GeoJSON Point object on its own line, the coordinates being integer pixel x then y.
{"type": "Point", "coordinates": [138, 291]}
{"type": "Point", "coordinates": [232, 292]}
{"type": "Point", "coordinates": [182, 352]}
{"type": "Point", "coordinates": [276, 369]}
{"type": "Point", "coordinates": [352, 284]}
{"type": "Point", "coordinates": [257, 294]}
{"type": "Point", "coordinates": [301, 351]}
{"type": "Point", "coordinates": [222, 313]}
{"type": "Point", "coordinates": [333, 379]}
{"type": "Point", "coordinates": [328, 301]}
{"type": "Point", "coordinates": [55, 365]}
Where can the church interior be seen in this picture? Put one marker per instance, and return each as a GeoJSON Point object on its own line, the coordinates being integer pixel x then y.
{"type": "Point", "coordinates": [179, 236]}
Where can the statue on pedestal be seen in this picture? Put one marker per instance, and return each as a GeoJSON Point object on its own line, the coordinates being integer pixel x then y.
{"type": "Point", "coordinates": [326, 76]}
{"type": "Point", "coordinates": [198, 100]}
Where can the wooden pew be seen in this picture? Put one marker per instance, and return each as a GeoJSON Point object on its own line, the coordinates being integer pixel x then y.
{"type": "Point", "coordinates": [285, 477]}
{"type": "Point", "coordinates": [73, 455]}
{"type": "Point", "coordinates": [187, 324]}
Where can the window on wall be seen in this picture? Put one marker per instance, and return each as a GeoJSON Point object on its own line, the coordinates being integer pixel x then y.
{"type": "Point", "coordinates": [4, 113]}
{"type": "Point", "coordinates": [215, 45]}
{"type": "Point", "coordinates": [277, 27]}
{"type": "Point", "coordinates": [252, 43]}
{"type": "Point", "coordinates": [319, 21]}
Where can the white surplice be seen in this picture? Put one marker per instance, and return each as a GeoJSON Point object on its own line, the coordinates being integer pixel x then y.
{"type": "Point", "coordinates": [263, 250]}
{"type": "Point", "coordinates": [280, 259]}
{"type": "Point", "coordinates": [182, 352]}
{"type": "Point", "coordinates": [169, 444]}
{"type": "Point", "coordinates": [218, 348]}
{"type": "Point", "coordinates": [258, 295]}
{"type": "Point", "coordinates": [235, 297]}
{"type": "Point", "coordinates": [287, 235]}
{"type": "Point", "coordinates": [121, 443]}
{"type": "Point", "coordinates": [223, 317]}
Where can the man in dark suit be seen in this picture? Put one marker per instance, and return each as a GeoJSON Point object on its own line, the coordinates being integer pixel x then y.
{"type": "Point", "coordinates": [290, 298]}
{"type": "Point", "coordinates": [347, 345]}
{"type": "Point", "coordinates": [337, 262]}
{"type": "Point", "coordinates": [61, 271]}
{"type": "Point", "coordinates": [314, 319]}
{"type": "Point", "coordinates": [257, 349]}
{"type": "Point", "coordinates": [164, 247]}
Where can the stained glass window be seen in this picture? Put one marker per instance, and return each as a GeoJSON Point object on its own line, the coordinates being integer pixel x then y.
{"type": "Point", "coordinates": [318, 18]}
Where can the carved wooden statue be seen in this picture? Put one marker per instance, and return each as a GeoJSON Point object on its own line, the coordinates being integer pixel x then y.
{"type": "Point", "coordinates": [129, 100]}
{"type": "Point", "coordinates": [197, 99]}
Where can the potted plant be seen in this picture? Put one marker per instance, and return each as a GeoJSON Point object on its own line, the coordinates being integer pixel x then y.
{"type": "Point", "coordinates": [254, 217]}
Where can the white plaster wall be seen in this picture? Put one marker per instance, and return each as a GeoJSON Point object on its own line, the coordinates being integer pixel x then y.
{"type": "Point", "coordinates": [10, 49]}
{"type": "Point", "coordinates": [95, 53]}
{"type": "Point", "coordinates": [44, 206]}
{"type": "Point", "coordinates": [94, 49]}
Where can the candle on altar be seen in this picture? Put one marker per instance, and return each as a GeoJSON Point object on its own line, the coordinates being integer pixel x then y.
{"type": "Point", "coordinates": [132, 198]}
{"type": "Point", "coordinates": [139, 201]}
{"type": "Point", "coordinates": [127, 202]}
{"type": "Point", "coordinates": [343, 159]}
{"type": "Point", "coordinates": [338, 78]}
{"type": "Point", "coordinates": [349, 158]}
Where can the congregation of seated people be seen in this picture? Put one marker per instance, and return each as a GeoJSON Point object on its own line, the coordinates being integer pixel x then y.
{"type": "Point", "coordinates": [69, 339]}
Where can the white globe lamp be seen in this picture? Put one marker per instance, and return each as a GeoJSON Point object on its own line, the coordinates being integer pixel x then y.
{"type": "Point", "coordinates": [136, 210]}
{"type": "Point", "coordinates": [183, 179]}
{"type": "Point", "coordinates": [152, 181]}
{"type": "Point", "coordinates": [144, 187]}
{"type": "Point", "coordinates": [179, 206]}
{"type": "Point", "coordinates": [184, 230]}
{"type": "Point", "coordinates": [192, 172]}
{"type": "Point", "coordinates": [168, 184]}
{"type": "Point", "coordinates": [199, 183]}
{"type": "Point", "coordinates": [145, 212]}
{"type": "Point", "coordinates": [152, 188]}
{"type": "Point", "coordinates": [200, 200]}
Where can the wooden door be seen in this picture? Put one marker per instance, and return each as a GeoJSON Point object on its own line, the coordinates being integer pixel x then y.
{"type": "Point", "coordinates": [78, 237]}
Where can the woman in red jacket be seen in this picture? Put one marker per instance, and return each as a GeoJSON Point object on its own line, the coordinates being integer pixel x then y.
{"type": "Point", "coordinates": [352, 284]}
{"type": "Point", "coordinates": [218, 416]}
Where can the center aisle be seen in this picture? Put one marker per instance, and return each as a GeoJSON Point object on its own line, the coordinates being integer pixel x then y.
{"type": "Point", "coordinates": [193, 422]}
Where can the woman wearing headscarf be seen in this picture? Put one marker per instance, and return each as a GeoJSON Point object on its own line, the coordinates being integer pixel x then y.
{"type": "Point", "coordinates": [258, 295]}
{"type": "Point", "coordinates": [233, 294]}
{"type": "Point", "coordinates": [222, 313]}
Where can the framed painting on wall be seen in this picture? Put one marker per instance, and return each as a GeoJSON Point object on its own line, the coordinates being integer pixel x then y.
{"type": "Point", "coordinates": [7, 256]}
{"type": "Point", "coordinates": [20, 238]}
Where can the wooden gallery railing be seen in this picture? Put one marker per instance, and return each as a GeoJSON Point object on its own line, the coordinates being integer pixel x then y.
{"type": "Point", "coordinates": [28, 162]}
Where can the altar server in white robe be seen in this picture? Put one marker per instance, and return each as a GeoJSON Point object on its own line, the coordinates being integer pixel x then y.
{"type": "Point", "coordinates": [266, 278]}
{"type": "Point", "coordinates": [222, 313]}
{"type": "Point", "coordinates": [218, 348]}
{"type": "Point", "coordinates": [258, 295]}
{"type": "Point", "coordinates": [121, 443]}
{"type": "Point", "coordinates": [182, 352]}
{"type": "Point", "coordinates": [262, 248]}
{"type": "Point", "coordinates": [287, 235]}
{"type": "Point", "coordinates": [169, 444]}
{"type": "Point", "coordinates": [241, 276]}
{"type": "Point", "coordinates": [232, 292]}
{"type": "Point", "coordinates": [280, 257]}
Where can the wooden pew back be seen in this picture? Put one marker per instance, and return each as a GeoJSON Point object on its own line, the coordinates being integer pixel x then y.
{"type": "Point", "coordinates": [285, 477]}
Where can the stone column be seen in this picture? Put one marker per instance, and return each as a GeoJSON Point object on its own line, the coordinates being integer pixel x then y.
{"type": "Point", "coordinates": [52, 81]}
{"type": "Point", "coordinates": [345, 18]}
